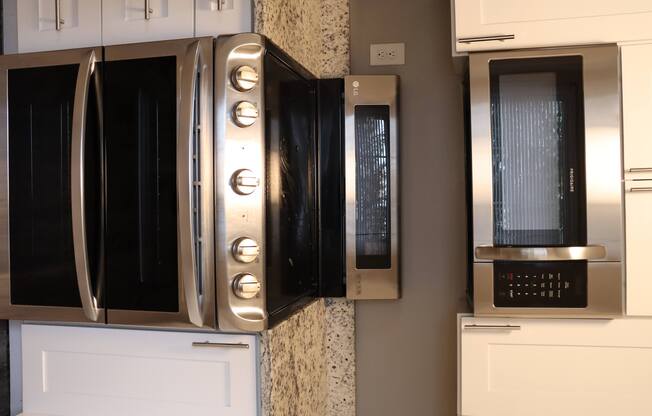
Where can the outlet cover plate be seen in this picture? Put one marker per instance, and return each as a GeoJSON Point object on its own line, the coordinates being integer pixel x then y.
{"type": "Point", "coordinates": [387, 54]}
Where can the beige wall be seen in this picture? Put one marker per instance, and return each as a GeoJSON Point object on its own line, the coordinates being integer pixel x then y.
{"type": "Point", "coordinates": [406, 350]}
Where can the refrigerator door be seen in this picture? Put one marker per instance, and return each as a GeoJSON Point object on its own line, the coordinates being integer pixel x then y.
{"type": "Point", "coordinates": [51, 254]}
{"type": "Point", "coordinates": [159, 170]}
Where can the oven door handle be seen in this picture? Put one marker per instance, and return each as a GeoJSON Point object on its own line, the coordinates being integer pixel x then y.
{"type": "Point", "coordinates": [89, 302]}
{"type": "Point", "coordinates": [186, 229]}
{"type": "Point", "coordinates": [590, 252]}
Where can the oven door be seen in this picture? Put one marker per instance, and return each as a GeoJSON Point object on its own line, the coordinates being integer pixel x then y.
{"type": "Point", "coordinates": [547, 198]}
{"type": "Point", "coordinates": [159, 184]}
{"type": "Point", "coordinates": [51, 255]}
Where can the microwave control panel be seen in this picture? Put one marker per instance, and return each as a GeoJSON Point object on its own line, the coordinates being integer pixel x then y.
{"type": "Point", "coordinates": [553, 284]}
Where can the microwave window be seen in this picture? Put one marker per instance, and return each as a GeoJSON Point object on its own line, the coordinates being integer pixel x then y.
{"type": "Point", "coordinates": [372, 187]}
{"type": "Point", "coordinates": [537, 121]}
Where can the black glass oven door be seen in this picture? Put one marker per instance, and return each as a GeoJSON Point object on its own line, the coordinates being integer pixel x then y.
{"type": "Point", "coordinates": [158, 138]}
{"type": "Point", "coordinates": [51, 215]}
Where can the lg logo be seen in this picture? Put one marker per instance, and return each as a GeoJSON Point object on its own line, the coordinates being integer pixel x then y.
{"type": "Point", "coordinates": [356, 86]}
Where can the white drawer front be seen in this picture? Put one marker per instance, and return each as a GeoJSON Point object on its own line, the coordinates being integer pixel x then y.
{"type": "Point", "coordinates": [89, 371]}
{"type": "Point", "coordinates": [555, 367]}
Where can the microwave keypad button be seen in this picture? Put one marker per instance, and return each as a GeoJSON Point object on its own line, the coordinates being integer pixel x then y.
{"type": "Point", "coordinates": [245, 114]}
{"type": "Point", "coordinates": [246, 286]}
{"type": "Point", "coordinates": [244, 78]}
{"type": "Point", "coordinates": [244, 182]}
{"type": "Point", "coordinates": [245, 250]}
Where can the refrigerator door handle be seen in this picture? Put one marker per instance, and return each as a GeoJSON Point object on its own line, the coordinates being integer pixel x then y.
{"type": "Point", "coordinates": [89, 302]}
{"type": "Point", "coordinates": [185, 153]}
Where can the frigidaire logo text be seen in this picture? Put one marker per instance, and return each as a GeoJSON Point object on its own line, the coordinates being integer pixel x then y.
{"type": "Point", "coordinates": [572, 179]}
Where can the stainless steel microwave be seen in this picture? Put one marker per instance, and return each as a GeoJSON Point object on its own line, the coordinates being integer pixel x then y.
{"type": "Point", "coordinates": [545, 144]}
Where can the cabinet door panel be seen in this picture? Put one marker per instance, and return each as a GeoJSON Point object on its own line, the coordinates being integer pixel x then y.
{"type": "Point", "coordinates": [81, 24]}
{"type": "Point", "coordinates": [637, 105]}
{"type": "Point", "coordinates": [550, 23]}
{"type": "Point", "coordinates": [541, 367]}
{"type": "Point", "coordinates": [127, 21]}
{"type": "Point", "coordinates": [77, 371]}
{"type": "Point", "coordinates": [638, 220]}
{"type": "Point", "coordinates": [234, 17]}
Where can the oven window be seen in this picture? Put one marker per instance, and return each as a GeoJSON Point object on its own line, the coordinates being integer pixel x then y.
{"type": "Point", "coordinates": [372, 226]}
{"type": "Point", "coordinates": [537, 121]}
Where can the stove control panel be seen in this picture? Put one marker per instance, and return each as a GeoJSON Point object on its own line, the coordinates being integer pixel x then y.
{"type": "Point", "coordinates": [554, 284]}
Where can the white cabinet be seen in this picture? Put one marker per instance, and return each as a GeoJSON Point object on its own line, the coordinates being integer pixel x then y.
{"type": "Point", "coordinates": [233, 16]}
{"type": "Point", "coordinates": [128, 21]}
{"type": "Point", "coordinates": [548, 23]}
{"type": "Point", "coordinates": [30, 25]}
{"type": "Point", "coordinates": [637, 106]}
{"type": "Point", "coordinates": [543, 367]}
{"type": "Point", "coordinates": [637, 150]}
{"type": "Point", "coordinates": [73, 371]}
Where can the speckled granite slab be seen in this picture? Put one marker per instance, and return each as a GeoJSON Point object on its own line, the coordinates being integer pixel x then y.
{"type": "Point", "coordinates": [308, 361]}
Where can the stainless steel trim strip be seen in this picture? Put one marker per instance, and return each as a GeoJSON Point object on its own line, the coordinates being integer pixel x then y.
{"type": "Point", "coordinates": [58, 20]}
{"type": "Point", "coordinates": [493, 327]}
{"type": "Point", "coordinates": [208, 344]}
{"type": "Point", "coordinates": [237, 215]}
{"type": "Point", "coordinates": [591, 252]}
{"type": "Point", "coordinates": [186, 233]}
{"type": "Point", "coordinates": [371, 90]}
{"type": "Point", "coordinates": [88, 300]}
{"type": "Point", "coordinates": [486, 38]}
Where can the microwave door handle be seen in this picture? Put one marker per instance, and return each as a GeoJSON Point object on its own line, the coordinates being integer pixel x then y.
{"type": "Point", "coordinates": [88, 300]}
{"type": "Point", "coordinates": [590, 252]}
{"type": "Point", "coordinates": [186, 232]}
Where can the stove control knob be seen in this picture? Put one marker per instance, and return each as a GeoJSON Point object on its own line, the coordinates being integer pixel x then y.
{"type": "Point", "coordinates": [244, 182]}
{"type": "Point", "coordinates": [245, 114]}
{"type": "Point", "coordinates": [246, 286]}
{"type": "Point", "coordinates": [244, 78]}
{"type": "Point", "coordinates": [245, 250]}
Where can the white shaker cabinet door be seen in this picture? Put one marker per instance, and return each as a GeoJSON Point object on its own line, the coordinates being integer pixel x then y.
{"type": "Point", "coordinates": [537, 23]}
{"type": "Point", "coordinates": [561, 367]}
{"type": "Point", "coordinates": [637, 108]}
{"type": "Point", "coordinates": [31, 25]}
{"type": "Point", "coordinates": [129, 21]}
{"type": "Point", "coordinates": [73, 371]}
{"type": "Point", "coordinates": [638, 232]}
{"type": "Point", "coordinates": [222, 17]}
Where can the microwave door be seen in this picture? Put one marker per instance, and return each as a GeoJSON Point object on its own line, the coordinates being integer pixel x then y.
{"type": "Point", "coordinates": [51, 254]}
{"type": "Point", "coordinates": [371, 186]}
{"type": "Point", "coordinates": [159, 167]}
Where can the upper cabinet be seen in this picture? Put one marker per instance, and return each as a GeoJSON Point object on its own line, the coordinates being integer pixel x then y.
{"type": "Point", "coordinates": [128, 21]}
{"type": "Point", "coordinates": [40, 25]}
{"type": "Point", "coordinates": [509, 24]}
{"type": "Point", "coordinates": [44, 25]}
{"type": "Point", "coordinates": [220, 17]}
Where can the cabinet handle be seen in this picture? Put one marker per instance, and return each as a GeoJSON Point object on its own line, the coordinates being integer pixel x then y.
{"type": "Point", "coordinates": [148, 10]}
{"type": "Point", "coordinates": [493, 327]}
{"type": "Point", "coordinates": [208, 344]}
{"type": "Point", "coordinates": [635, 170]}
{"type": "Point", "coordinates": [220, 5]}
{"type": "Point", "coordinates": [486, 38]}
{"type": "Point", "coordinates": [58, 20]}
{"type": "Point", "coordinates": [641, 189]}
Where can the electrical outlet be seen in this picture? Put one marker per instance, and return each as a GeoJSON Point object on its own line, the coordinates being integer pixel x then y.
{"type": "Point", "coordinates": [387, 54]}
